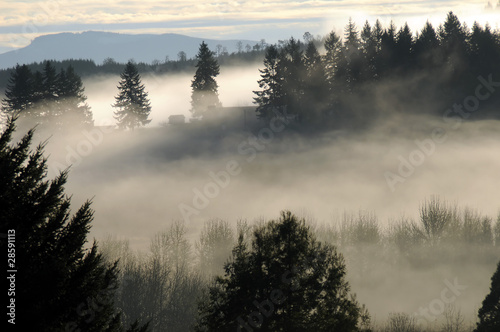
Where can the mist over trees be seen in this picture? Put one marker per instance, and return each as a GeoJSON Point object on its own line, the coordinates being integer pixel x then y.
{"type": "Point", "coordinates": [288, 274]}
{"type": "Point", "coordinates": [298, 82]}
{"type": "Point", "coordinates": [346, 81]}
{"type": "Point", "coordinates": [47, 97]}
{"type": "Point", "coordinates": [291, 273]}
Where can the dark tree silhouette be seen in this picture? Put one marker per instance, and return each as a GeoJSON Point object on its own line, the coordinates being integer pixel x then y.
{"type": "Point", "coordinates": [404, 47]}
{"type": "Point", "coordinates": [287, 281]}
{"type": "Point", "coordinates": [369, 47]}
{"type": "Point", "coordinates": [453, 37]}
{"type": "Point", "coordinates": [293, 74]}
{"type": "Point", "coordinates": [271, 98]}
{"type": "Point", "coordinates": [204, 95]}
{"type": "Point", "coordinates": [315, 85]}
{"type": "Point", "coordinates": [132, 103]}
{"type": "Point", "coordinates": [72, 103]}
{"type": "Point", "coordinates": [333, 46]}
{"type": "Point", "coordinates": [61, 285]}
{"type": "Point", "coordinates": [489, 313]}
{"type": "Point", "coordinates": [351, 59]}
{"type": "Point", "coordinates": [426, 45]}
{"type": "Point", "coordinates": [47, 97]}
{"type": "Point", "coordinates": [19, 92]}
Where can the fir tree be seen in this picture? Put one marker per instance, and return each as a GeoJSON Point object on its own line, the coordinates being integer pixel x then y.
{"type": "Point", "coordinates": [72, 99]}
{"type": "Point", "coordinates": [369, 48]}
{"type": "Point", "coordinates": [132, 100]}
{"type": "Point", "coordinates": [270, 99]}
{"type": "Point", "coordinates": [404, 47]}
{"type": "Point", "coordinates": [315, 85]}
{"type": "Point", "coordinates": [352, 59]}
{"type": "Point", "coordinates": [60, 286]}
{"type": "Point", "coordinates": [287, 281]}
{"type": "Point", "coordinates": [293, 74]}
{"type": "Point", "coordinates": [489, 314]}
{"type": "Point", "coordinates": [333, 47]}
{"type": "Point", "coordinates": [19, 92]}
{"type": "Point", "coordinates": [426, 46]}
{"type": "Point", "coordinates": [204, 95]}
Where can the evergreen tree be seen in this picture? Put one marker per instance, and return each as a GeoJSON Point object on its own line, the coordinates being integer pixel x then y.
{"type": "Point", "coordinates": [369, 48]}
{"type": "Point", "coordinates": [453, 37]}
{"type": "Point", "coordinates": [204, 95]}
{"type": "Point", "coordinates": [132, 100]}
{"type": "Point", "coordinates": [352, 60]}
{"type": "Point", "coordinates": [50, 82]}
{"type": "Point", "coordinates": [271, 98]}
{"type": "Point", "coordinates": [19, 92]}
{"type": "Point", "coordinates": [293, 75]}
{"type": "Point", "coordinates": [387, 49]}
{"type": "Point", "coordinates": [60, 286]}
{"type": "Point", "coordinates": [426, 46]}
{"type": "Point", "coordinates": [287, 281]}
{"type": "Point", "coordinates": [404, 47]}
{"type": "Point", "coordinates": [489, 313]}
{"type": "Point", "coordinates": [333, 47]}
{"type": "Point", "coordinates": [315, 85]}
{"type": "Point", "coordinates": [72, 103]}
{"type": "Point", "coordinates": [484, 50]}
{"type": "Point", "coordinates": [46, 106]}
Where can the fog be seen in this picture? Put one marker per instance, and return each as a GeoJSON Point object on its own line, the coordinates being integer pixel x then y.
{"type": "Point", "coordinates": [171, 93]}
{"type": "Point", "coordinates": [142, 181]}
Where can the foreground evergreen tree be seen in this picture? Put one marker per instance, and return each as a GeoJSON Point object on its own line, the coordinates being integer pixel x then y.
{"type": "Point", "coordinates": [132, 100]}
{"type": "Point", "coordinates": [489, 314]}
{"type": "Point", "coordinates": [288, 281]}
{"type": "Point", "coordinates": [60, 285]}
{"type": "Point", "coordinates": [204, 95]}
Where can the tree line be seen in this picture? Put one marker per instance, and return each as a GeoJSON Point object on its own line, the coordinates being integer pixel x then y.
{"type": "Point", "coordinates": [346, 85]}
{"type": "Point", "coordinates": [445, 62]}
{"type": "Point", "coordinates": [58, 99]}
{"type": "Point", "coordinates": [47, 96]}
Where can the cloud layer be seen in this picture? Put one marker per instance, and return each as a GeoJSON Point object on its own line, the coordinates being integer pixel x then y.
{"type": "Point", "coordinates": [21, 21]}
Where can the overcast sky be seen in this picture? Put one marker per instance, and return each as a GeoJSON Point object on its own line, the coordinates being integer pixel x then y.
{"type": "Point", "coordinates": [23, 20]}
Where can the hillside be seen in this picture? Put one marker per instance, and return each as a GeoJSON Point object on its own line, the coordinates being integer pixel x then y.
{"type": "Point", "coordinates": [97, 46]}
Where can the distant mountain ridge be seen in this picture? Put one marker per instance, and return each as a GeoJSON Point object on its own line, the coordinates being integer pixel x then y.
{"type": "Point", "coordinates": [98, 45]}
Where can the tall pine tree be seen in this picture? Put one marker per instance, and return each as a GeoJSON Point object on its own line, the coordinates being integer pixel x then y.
{"type": "Point", "coordinates": [270, 99]}
{"type": "Point", "coordinates": [60, 285]}
{"type": "Point", "coordinates": [204, 95]}
{"type": "Point", "coordinates": [132, 103]}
